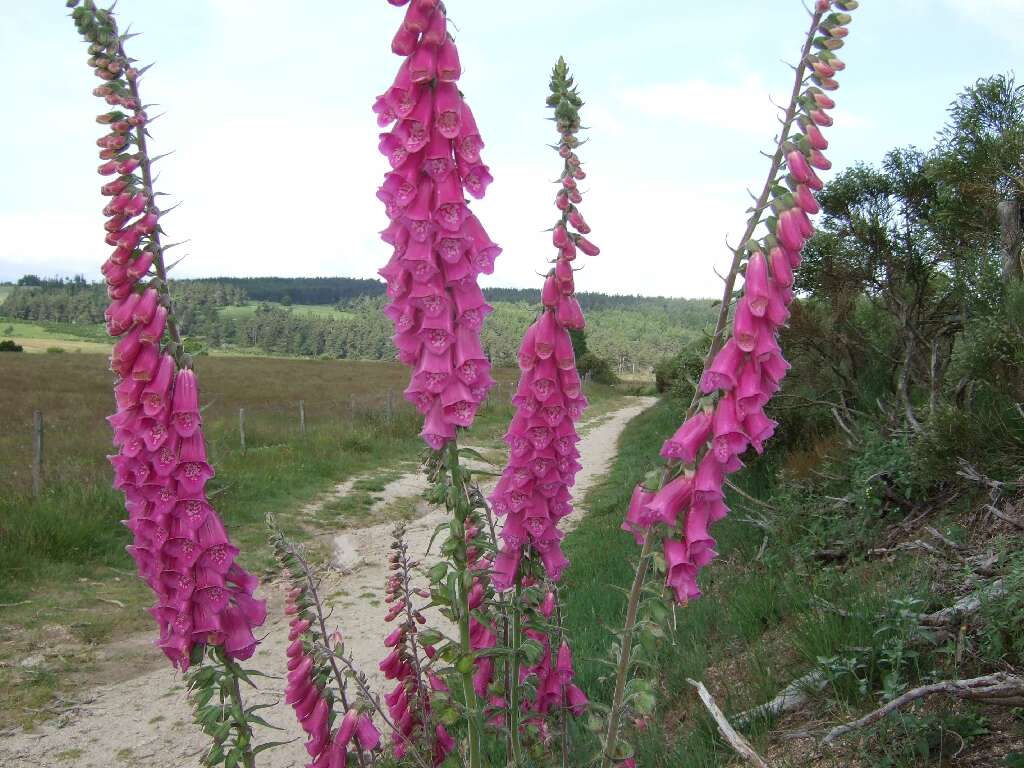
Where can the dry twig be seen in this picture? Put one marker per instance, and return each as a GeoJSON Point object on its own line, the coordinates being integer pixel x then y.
{"type": "Point", "coordinates": [737, 742]}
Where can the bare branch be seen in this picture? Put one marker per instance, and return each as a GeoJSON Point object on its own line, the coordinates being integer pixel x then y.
{"type": "Point", "coordinates": [999, 688]}
{"type": "Point", "coordinates": [737, 742]}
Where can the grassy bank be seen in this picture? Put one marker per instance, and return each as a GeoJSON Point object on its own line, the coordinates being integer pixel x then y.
{"type": "Point", "coordinates": [774, 608]}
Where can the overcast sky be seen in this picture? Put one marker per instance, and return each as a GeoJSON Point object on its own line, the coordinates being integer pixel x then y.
{"type": "Point", "coordinates": [275, 159]}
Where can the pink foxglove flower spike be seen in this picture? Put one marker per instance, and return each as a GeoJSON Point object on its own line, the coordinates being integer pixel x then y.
{"type": "Point", "coordinates": [743, 373]}
{"type": "Point", "coordinates": [439, 246]}
{"type": "Point", "coordinates": [203, 597]}
{"type": "Point", "coordinates": [744, 365]}
{"type": "Point", "coordinates": [533, 494]}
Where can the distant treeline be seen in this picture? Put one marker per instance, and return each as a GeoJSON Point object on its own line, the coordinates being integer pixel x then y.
{"type": "Point", "coordinates": [301, 290]}
{"type": "Point", "coordinates": [631, 332]}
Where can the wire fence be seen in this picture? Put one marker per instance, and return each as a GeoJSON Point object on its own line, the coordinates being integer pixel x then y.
{"type": "Point", "coordinates": [43, 448]}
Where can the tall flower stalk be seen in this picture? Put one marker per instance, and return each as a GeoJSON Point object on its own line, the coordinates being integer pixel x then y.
{"type": "Point", "coordinates": [671, 511]}
{"type": "Point", "coordinates": [534, 494]}
{"type": "Point", "coordinates": [439, 249]}
{"type": "Point", "coordinates": [312, 664]}
{"type": "Point", "coordinates": [204, 604]}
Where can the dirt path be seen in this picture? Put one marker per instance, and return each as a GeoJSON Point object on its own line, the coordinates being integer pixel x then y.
{"type": "Point", "coordinates": [146, 720]}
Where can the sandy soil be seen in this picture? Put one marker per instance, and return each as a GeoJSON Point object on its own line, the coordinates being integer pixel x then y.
{"type": "Point", "coordinates": [146, 719]}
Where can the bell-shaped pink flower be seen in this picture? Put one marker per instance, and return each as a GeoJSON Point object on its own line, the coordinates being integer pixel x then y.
{"type": "Point", "coordinates": [689, 438]}
{"type": "Point", "coordinates": [724, 368]}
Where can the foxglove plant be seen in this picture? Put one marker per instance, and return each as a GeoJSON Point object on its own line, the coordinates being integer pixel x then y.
{"type": "Point", "coordinates": [438, 309]}
{"type": "Point", "coordinates": [410, 652]}
{"type": "Point", "coordinates": [533, 494]}
{"type": "Point", "coordinates": [672, 509]}
{"type": "Point", "coordinates": [439, 246]}
{"type": "Point", "coordinates": [312, 664]}
{"type": "Point", "coordinates": [204, 598]}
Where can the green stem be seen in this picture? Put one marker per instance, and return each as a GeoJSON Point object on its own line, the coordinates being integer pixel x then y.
{"type": "Point", "coordinates": [461, 509]}
{"type": "Point", "coordinates": [513, 697]}
{"type": "Point", "coordinates": [241, 725]}
{"type": "Point", "coordinates": [612, 735]}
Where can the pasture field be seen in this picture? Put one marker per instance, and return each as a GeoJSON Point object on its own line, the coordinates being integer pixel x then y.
{"type": "Point", "coordinates": [43, 337]}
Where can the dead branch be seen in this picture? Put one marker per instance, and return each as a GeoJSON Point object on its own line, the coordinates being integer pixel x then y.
{"type": "Point", "coordinates": [737, 742]}
{"type": "Point", "coordinates": [792, 698]}
{"type": "Point", "coordinates": [996, 512]}
{"type": "Point", "coordinates": [842, 425]}
{"type": "Point", "coordinates": [999, 688]}
{"type": "Point", "coordinates": [732, 486]}
{"type": "Point", "coordinates": [964, 607]}
{"type": "Point", "coordinates": [944, 539]}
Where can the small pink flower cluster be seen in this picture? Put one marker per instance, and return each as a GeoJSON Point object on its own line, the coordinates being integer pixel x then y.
{"type": "Point", "coordinates": [749, 367]}
{"type": "Point", "coordinates": [553, 678]}
{"type": "Point", "coordinates": [440, 247]}
{"type": "Point", "coordinates": [179, 544]}
{"type": "Point", "coordinates": [481, 634]}
{"type": "Point", "coordinates": [409, 701]}
{"type": "Point", "coordinates": [313, 705]}
{"type": "Point", "coordinates": [533, 492]}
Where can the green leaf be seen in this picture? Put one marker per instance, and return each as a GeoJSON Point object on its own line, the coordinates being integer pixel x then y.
{"type": "Point", "coordinates": [271, 745]}
{"type": "Point", "coordinates": [437, 572]}
{"type": "Point", "coordinates": [469, 453]}
{"type": "Point", "coordinates": [430, 637]}
{"type": "Point", "coordinates": [260, 721]}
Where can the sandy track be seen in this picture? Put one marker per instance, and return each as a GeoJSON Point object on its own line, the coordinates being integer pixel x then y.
{"type": "Point", "coordinates": [146, 720]}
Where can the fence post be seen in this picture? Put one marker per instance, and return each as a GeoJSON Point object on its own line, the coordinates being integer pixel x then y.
{"type": "Point", "coordinates": [37, 452]}
{"type": "Point", "coordinates": [241, 427]}
{"type": "Point", "coordinates": [302, 417]}
{"type": "Point", "coordinates": [391, 405]}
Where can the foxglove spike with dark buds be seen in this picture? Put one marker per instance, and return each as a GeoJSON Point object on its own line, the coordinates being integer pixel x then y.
{"type": "Point", "coordinates": [533, 492]}
{"type": "Point", "coordinates": [179, 544]}
{"type": "Point", "coordinates": [748, 368]}
{"type": "Point", "coordinates": [409, 702]}
{"type": "Point", "coordinates": [440, 247]}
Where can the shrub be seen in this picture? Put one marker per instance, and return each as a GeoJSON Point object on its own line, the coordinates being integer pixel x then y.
{"type": "Point", "coordinates": [8, 345]}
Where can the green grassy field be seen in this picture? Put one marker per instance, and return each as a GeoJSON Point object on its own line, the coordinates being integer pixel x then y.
{"type": "Point", "coordinates": [48, 337]}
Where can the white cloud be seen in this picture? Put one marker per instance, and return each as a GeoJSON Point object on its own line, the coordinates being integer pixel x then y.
{"type": "Point", "coordinates": [742, 106]}
{"type": "Point", "coordinates": [1004, 17]}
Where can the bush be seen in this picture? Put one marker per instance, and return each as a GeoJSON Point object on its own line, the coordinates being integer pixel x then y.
{"type": "Point", "coordinates": [681, 371]}
{"type": "Point", "coordinates": [8, 345]}
{"type": "Point", "coordinates": [599, 369]}
{"type": "Point", "coordinates": [55, 350]}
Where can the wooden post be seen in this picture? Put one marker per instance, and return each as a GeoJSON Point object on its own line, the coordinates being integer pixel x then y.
{"type": "Point", "coordinates": [37, 452]}
{"type": "Point", "coordinates": [391, 405]}
{"type": "Point", "coordinates": [241, 427]}
{"type": "Point", "coordinates": [302, 417]}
